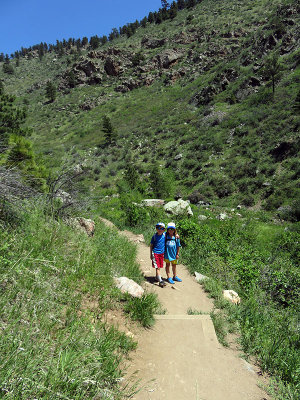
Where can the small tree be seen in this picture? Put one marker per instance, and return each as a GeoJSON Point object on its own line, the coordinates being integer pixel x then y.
{"type": "Point", "coordinates": [165, 4]}
{"type": "Point", "coordinates": [131, 175]}
{"type": "Point", "coordinates": [108, 130]}
{"type": "Point", "coordinates": [272, 69]}
{"type": "Point", "coordinates": [94, 42]}
{"type": "Point", "coordinates": [50, 91]}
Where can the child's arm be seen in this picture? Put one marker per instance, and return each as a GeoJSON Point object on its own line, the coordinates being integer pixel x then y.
{"type": "Point", "coordinates": [151, 248]}
{"type": "Point", "coordinates": [178, 245]}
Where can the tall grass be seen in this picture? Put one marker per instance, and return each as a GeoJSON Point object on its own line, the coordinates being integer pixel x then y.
{"type": "Point", "coordinates": [259, 261]}
{"type": "Point", "coordinates": [52, 346]}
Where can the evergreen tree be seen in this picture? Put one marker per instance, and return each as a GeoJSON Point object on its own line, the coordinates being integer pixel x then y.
{"type": "Point", "coordinates": [191, 3]}
{"type": "Point", "coordinates": [108, 130]}
{"type": "Point", "coordinates": [150, 17]}
{"type": "Point", "coordinates": [41, 51]}
{"type": "Point", "coordinates": [272, 69]}
{"type": "Point", "coordinates": [12, 118]}
{"type": "Point", "coordinates": [158, 17]}
{"type": "Point", "coordinates": [173, 10]}
{"type": "Point", "coordinates": [85, 41]}
{"type": "Point", "coordinates": [71, 79]}
{"type": "Point", "coordinates": [50, 91]}
{"type": "Point", "coordinates": [143, 22]}
{"type": "Point", "coordinates": [104, 39]}
{"type": "Point", "coordinates": [158, 181]}
{"type": "Point", "coordinates": [7, 67]}
{"type": "Point", "coordinates": [94, 42]}
{"type": "Point", "coordinates": [131, 175]}
{"type": "Point", "coordinates": [165, 5]}
{"type": "Point", "coordinates": [181, 4]}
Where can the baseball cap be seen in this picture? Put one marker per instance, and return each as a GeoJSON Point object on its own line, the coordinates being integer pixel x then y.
{"type": "Point", "coordinates": [160, 224]}
{"type": "Point", "coordinates": [171, 225]}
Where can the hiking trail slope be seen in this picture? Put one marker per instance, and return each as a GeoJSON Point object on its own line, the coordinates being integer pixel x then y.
{"type": "Point", "coordinates": [180, 358]}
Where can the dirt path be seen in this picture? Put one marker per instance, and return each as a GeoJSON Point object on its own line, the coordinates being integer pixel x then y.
{"type": "Point", "coordinates": [180, 358]}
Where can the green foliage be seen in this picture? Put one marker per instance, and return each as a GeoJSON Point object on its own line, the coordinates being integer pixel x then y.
{"type": "Point", "coordinates": [143, 309]}
{"type": "Point", "coordinates": [272, 69]}
{"type": "Point", "coordinates": [108, 130]}
{"type": "Point", "coordinates": [162, 183]}
{"type": "Point", "coordinates": [138, 58]}
{"type": "Point", "coordinates": [56, 285]}
{"type": "Point", "coordinates": [50, 91]}
{"type": "Point", "coordinates": [262, 265]}
{"type": "Point", "coordinates": [134, 214]}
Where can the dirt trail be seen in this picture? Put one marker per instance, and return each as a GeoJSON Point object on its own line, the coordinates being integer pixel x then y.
{"type": "Point", "coordinates": [180, 358]}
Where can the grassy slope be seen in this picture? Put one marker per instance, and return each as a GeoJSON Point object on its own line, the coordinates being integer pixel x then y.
{"type": "Point", "coordinates": [56, 285]}
{"type": "Point", "coordinates": [227, 155]}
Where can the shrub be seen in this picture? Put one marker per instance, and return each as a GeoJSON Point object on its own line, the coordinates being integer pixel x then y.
{"type": "Point", "coordinates": [143, 309]}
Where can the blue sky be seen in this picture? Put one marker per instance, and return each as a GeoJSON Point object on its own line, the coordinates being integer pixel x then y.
{"type": "Point", "coordinates": [28, 22]}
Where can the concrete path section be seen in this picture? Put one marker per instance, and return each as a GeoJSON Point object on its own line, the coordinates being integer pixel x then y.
{"type": "Point", "coordinates": [181, 359]}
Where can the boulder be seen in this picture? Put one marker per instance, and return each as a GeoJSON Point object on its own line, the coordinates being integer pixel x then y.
{"type": "Point", "coordinates": [200, 277]}
{"type": "Point", "coordinates": [179, 207]}
{"type": "Point", "coordinates": [83, 224]}
{"type": "Point", "coordinates": [127, 285]}
{"type": "Point", "coordinates": [231, 296]}
{"type": "Point", "coordinates": [202, 217]}
{"type": "Point", "coordinates": [222, 217]}
{"type": "Point", "coordinates": [178, 157]}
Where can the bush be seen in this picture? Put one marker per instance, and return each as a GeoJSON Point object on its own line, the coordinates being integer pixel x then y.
{"type": "Point", "coordinates": [143, 309]}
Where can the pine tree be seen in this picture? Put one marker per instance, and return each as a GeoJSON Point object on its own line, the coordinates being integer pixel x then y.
{"type": "Point", "coordinates": [131, 175]}
{"type": "Point", "coordinates": [181, 4]}
{"type": "Point", "coordinates": [50, 91]}
{"type": "Point", "coordinates": [272, 69]}
{"type": "Point", "coordinates": [94, 42]}
{"type": "Point", "coordinates": [150, 17]}
{"type": "Point", "coordinates": [108, 130]}
{"type": "Point", "coordinates": [165, 5]}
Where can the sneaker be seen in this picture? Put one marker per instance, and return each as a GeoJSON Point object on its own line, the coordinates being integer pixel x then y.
{"type": "Point", "coordinates": [162, 283]}
{"type": "Point", "coordinates": [175, 278]}
{"type": "Point", "coordinates": [170, 280]}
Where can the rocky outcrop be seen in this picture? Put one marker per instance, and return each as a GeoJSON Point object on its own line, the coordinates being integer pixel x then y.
{"type": "Point", "coordinates": [152, 43]}
{"type": "Point", "coordinates": [112, 66]}
{"type": "Point", "coordinates": [168, 58]}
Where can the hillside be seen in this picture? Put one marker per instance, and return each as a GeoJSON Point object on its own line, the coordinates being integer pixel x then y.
{"type": "Point", "coordinates": [212, 95]}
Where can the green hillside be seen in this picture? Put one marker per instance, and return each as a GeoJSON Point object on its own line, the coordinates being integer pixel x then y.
{"type": "Point", "coordinates": [194, 93]}
{"type": "Point", "coordinates": [200, 101]}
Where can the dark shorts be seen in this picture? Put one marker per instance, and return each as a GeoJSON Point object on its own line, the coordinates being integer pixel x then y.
{"type": "Point", "coordinates": [157, 260]}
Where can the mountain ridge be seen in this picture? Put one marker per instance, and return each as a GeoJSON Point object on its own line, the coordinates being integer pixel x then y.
{"type": "Point", "coordinates": [203, 81]}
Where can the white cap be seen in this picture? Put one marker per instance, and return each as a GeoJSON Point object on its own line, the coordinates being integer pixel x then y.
{"type": "Point", "coordinates": [171, 225]}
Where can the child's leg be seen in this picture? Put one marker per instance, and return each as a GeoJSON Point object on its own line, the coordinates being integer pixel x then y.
{"type": "Point", "coordinates": [168, 269]}
{"type": "Point", "coordinates": [157, 263]}
{"type": "Point", "coordinates": [175, 277]}
{"type": "Point", "coordinates": [157, 274]}
{"type": "Point", "coordinates": [174, 269]}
